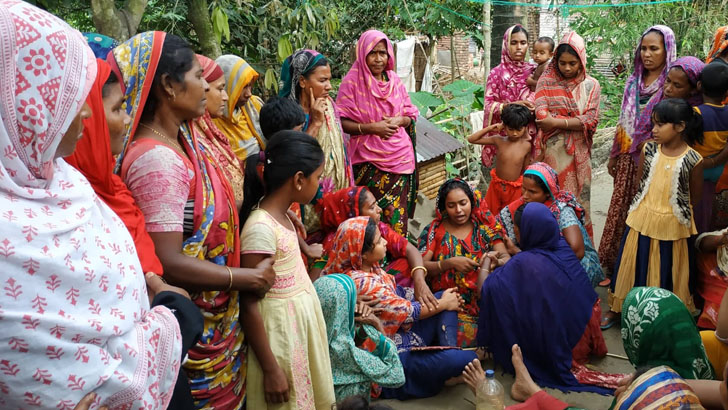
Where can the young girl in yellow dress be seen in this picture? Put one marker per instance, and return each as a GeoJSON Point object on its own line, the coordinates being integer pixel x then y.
{"type": "Point", "coordinates": [289, 367]}
{"type": "Point", "coordinates": [657, 246]}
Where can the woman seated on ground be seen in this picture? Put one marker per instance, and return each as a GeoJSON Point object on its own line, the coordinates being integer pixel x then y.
{"type": "Point", "coordinates": [403, 260]}
{"type": "Point", "coordinates": [540, 184]}
{"type": "Point", "coordinates": [351, 328]}
{"type": "Point", "coordinates": [454, 246]}
{"type": "Point", "coordinates": [358, 248]}
{"type": "Point", "coordinates": [657, 329]}
{"type": "Point", "coordinates": [542, 300]}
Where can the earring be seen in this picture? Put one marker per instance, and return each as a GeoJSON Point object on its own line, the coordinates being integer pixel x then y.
{"type": "Point", "coordinates": [174, 96]}
{"type": "Point", "coordinates": [298, 187]}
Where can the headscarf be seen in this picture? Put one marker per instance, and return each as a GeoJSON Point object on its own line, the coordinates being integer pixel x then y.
{"type": "Point", "coordinates": [660, 388]}
{"type": "Point", "coordinates": [211, 71]}
{"type": "Point", "coordinates": [75, 313]}
{"type": "Point", "coordinates": [721, 252]}
{"type": "Point", "coordinates": [93, 158]}
{"type": "Point", "coordinates": [346, 258]}
{"type": "Point", "coordinates": [692, 67]}
{"type": "Point", "coordinates": [335, 208]}
{"type": "Point", "coordinates": [657, 329]}
{"type": "Point", "coordinates": [100, 44]}
{"type": "Point", "coordinates": [635, 122]}
{"type": "Point", "coordinates": [364, 99]}
{"type": "Point", "coordinates": [134, 62]}
{"type": "Point", "coordinates": [576, 97]}
{"type": "Point", "coordinates": [294, 67]}
{"type": "Point", "coordinates": [542, 291]}
{"type": "Point", "coordinates": [351, 364]}
{"type": "Point", "coordinates": [240, 125]}
{"type": "Point", "coordinates": [214, 361]}
{"type": "Point", "coordinates": [556, 201]}
{"type": "Point", "coordinates": [720, 44]}
{"type": "Point", "coordinates": [506, 84]}
{"type": "Point", "coordinates": [215, 141]}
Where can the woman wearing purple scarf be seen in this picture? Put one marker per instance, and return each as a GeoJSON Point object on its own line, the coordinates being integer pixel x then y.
{"type": "Point", "coordinates": [654, 54]}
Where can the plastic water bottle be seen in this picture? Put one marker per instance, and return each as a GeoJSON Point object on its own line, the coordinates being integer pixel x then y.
{"type": "Point", "coordinates": [490, 394]}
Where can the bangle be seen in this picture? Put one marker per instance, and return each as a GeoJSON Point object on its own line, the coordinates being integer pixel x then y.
{"type": "Point", "coordinates": [230, 285]}
{"type": "Point", "coordinates": [360, 133]}
{"type": "Point", "coordinates": [439, 265]}
{"type": "Point", "coordinates": [566, 123]}
{"type": "Point", "coordinates": [422, 268]}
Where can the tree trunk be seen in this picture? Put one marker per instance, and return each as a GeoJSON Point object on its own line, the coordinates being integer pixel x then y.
{"type": "Point", "coordinates": [115, 23]}
{"type": "Point", "coordinates": [487, 40]}
{"type": "Point", "coordinates": [199, 15]}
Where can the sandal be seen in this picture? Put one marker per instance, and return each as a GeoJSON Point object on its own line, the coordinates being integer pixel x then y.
{"type": "Point", "coordinates": [608, 321]}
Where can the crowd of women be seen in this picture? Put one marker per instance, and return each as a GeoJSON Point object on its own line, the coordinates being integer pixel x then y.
{"type": "Point", "coordinates": [171, 240]}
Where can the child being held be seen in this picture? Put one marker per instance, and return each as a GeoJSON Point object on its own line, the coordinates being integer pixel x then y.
{"type": "Point", "coordinates": [543, 51]}
{"type": "Point", "coordinates": [514, 155]}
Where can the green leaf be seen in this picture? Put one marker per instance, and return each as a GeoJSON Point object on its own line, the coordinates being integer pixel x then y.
{"type": "Point", "coordinates": [270, 81]}
{"type": "Point", "coordinates": [424, 101]}
{"type": "Point", "coordinates": [461, 88]}
{"type": "Point", "coordinates": [285, 48]}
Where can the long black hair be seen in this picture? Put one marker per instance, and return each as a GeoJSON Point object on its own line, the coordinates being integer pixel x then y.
{"type": "Point", "coordinates": [368, 243]}
{"type": "Point", "coordinates": [176, 60]}
{"type": "Point", "coordinates": [677, 111]}
{"type": "Point", "coordinates": [450, 185]}
{"type": "Point", "coordinates": [288, 152]}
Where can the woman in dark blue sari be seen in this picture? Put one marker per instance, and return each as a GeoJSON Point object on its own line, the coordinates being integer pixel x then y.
{"type": "Point", "coordinates": [542, 300]}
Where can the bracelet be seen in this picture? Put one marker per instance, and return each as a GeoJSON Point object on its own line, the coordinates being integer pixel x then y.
{"type": "Point", "coordinates": [230, 286]}
{"type": "Point", "coordinates": [360, 133]}
{"type": "Point", "coordinates": [439, 265]}
{"type": "Point", "coordinates": [422, 268]}
{"type": "Point", "coordinates": [566, 123]}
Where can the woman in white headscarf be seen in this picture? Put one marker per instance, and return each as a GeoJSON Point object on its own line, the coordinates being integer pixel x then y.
{"type": "Point", "coordinates": [74, 309]}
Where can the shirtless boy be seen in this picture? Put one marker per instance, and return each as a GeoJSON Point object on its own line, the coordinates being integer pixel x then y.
{"type": "Point", "coordinates": [513, 155]}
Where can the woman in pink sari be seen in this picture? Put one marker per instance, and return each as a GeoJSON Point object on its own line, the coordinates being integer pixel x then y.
{"type": "Point", "coordinates": [378, 114]}
{"type": "Point", "coordinates": [507, 84]}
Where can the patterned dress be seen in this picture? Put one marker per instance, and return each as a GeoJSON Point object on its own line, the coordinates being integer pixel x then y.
{"type": "Point", "coordinates": [293, 320]}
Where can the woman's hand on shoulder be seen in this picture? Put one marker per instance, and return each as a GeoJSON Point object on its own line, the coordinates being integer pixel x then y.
{"type": "Point", "coordinates": [87, 401]}
{"type": "Point", "coordinates": [314, 250]}
{"type": "Point", "coordinates": [157, 285]}
{"type": "Point", "coordinates": [371, 320]}
{"type": "Point", "coordinates": [510, 246]}
{"type": "Point", "coordinates": [260, 278]}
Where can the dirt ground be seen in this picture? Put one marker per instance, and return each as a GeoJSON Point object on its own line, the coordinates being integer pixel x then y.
{"type": "Point", "coordinates": [459, 397]}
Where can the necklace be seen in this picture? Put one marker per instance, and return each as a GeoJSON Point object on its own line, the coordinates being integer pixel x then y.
{"type": "Point", "coordinates": [168, 139]}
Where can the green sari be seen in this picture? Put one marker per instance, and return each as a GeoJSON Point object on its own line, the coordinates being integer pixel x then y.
{"type": "Point", "coordinates": [355, 369]}
{"type": "Point", "coordinates": [657, 330]}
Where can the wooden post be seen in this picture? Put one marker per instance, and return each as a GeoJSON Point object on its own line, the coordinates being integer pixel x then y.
{"type": "Point", "coordinates": [453, 59]}
{"type": "Point", "coordinates": [487, 30]}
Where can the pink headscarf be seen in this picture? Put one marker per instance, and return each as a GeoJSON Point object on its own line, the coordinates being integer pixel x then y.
{"type": "Point", "coordinates": [75, 316]}
{"type": "Point", "coordinates": [506, 84]}
{"type": "Point", "coordinates": [364, 99]}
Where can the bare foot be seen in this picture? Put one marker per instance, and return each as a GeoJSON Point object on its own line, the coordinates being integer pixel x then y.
{"type": "Point", "coordinates": [473, 375]}
{"type": "Point", "coordinates": [523, 387]}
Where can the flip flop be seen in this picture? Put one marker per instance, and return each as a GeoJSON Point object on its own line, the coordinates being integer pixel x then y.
{"type": "Point", "coordinates": [609, 323]}
{"type": "Point", "coordinates": [606, 282]}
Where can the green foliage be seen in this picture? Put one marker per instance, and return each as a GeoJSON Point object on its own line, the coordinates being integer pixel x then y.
{"type": "Point", "coordinates": [452, 115]}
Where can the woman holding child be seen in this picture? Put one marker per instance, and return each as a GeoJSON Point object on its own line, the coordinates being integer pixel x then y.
{"type": "Point", "coordinates": [655, 51]}
{"type": "Point", "coordinates": [379, 115]}
{"type": "Point", "coordinates": [567, 111]}
{"type": "Point", "coordinates": [507, 84]}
